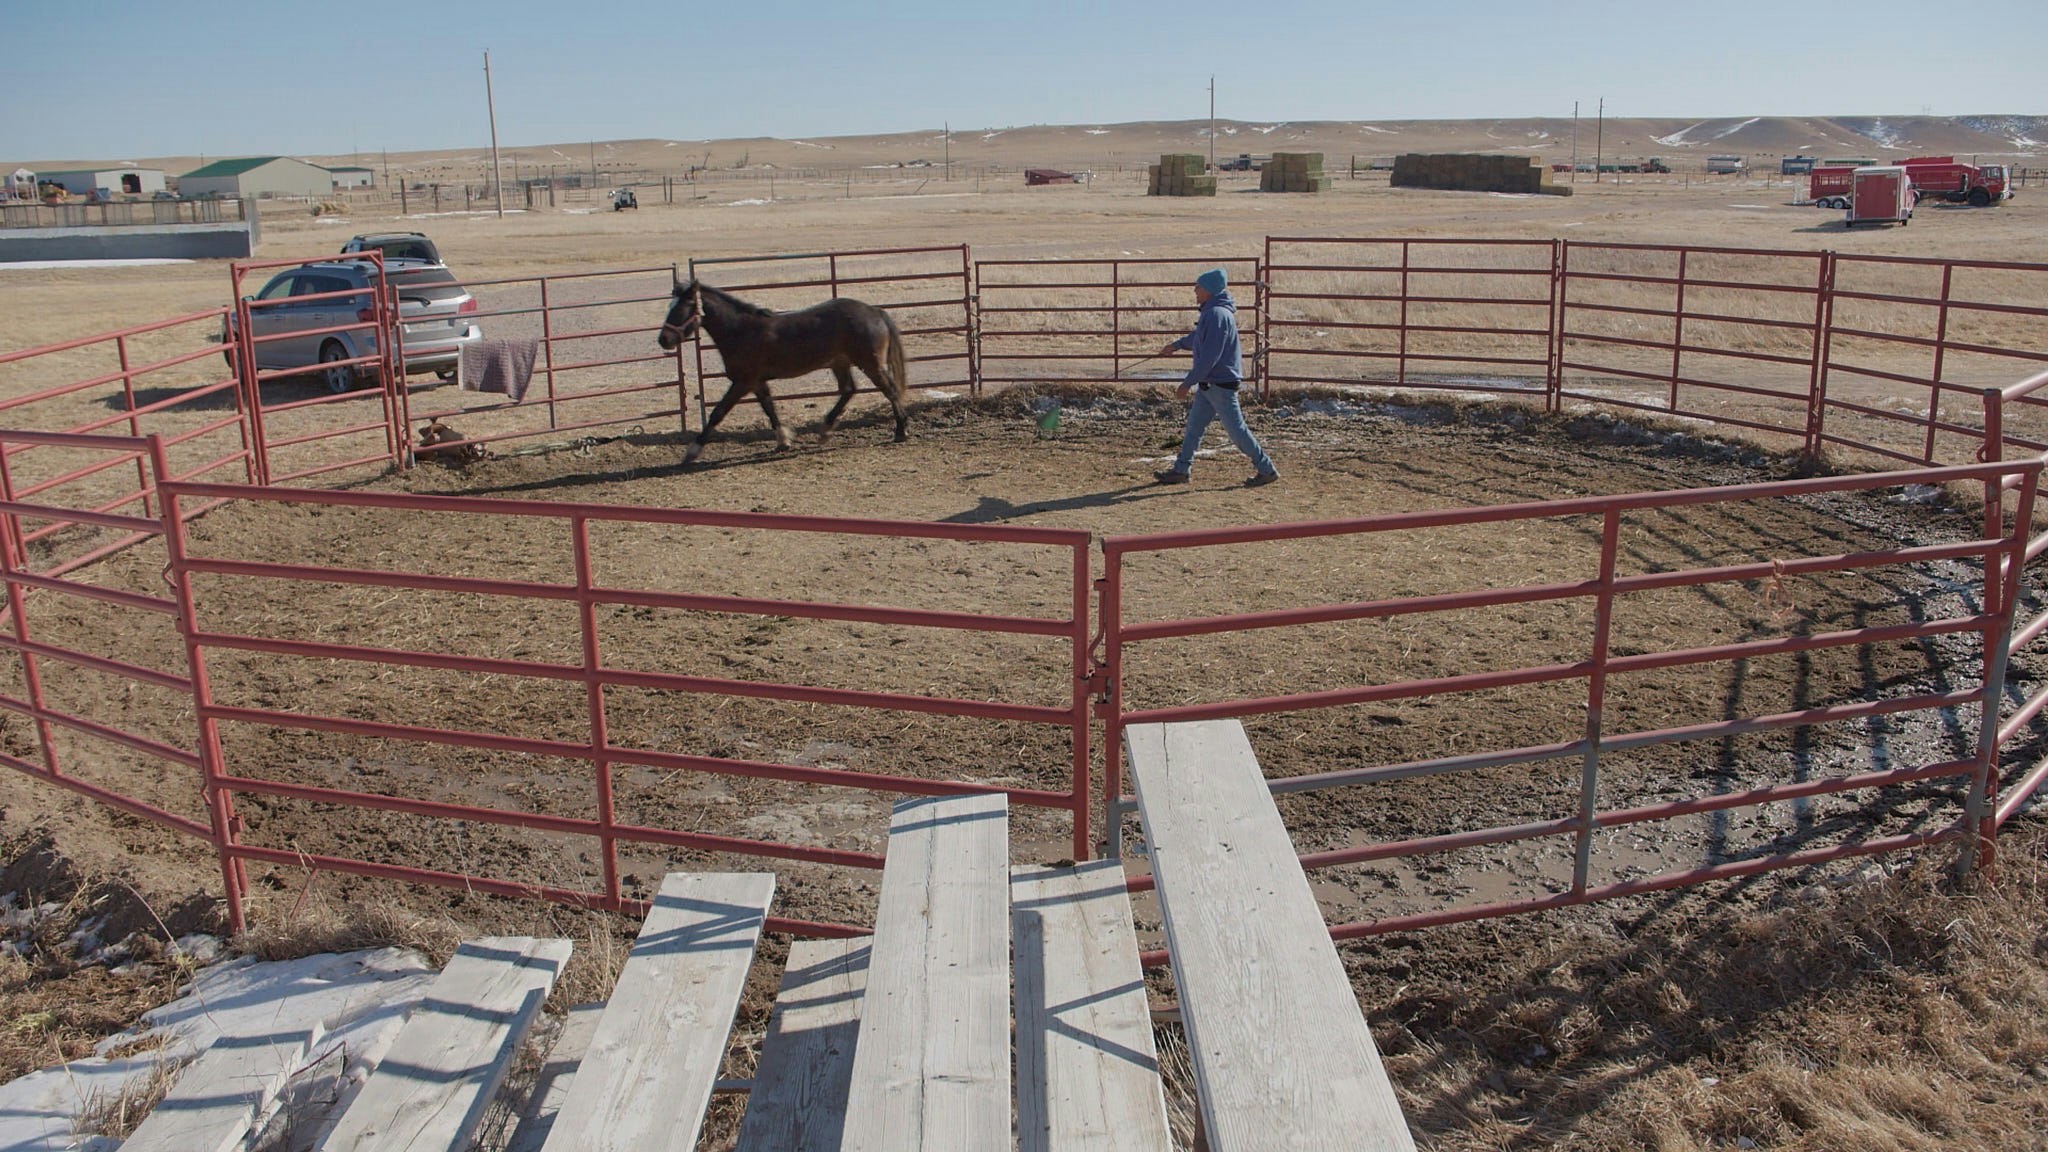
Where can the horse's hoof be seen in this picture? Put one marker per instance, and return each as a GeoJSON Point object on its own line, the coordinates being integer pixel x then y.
{"type": "Point", "coordinates": [902, 436]}
{"type": "Point", "coordinates": [782, 439]}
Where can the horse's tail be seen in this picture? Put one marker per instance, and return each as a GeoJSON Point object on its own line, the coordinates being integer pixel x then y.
{"type": "Point", "coordinates": [899, 373]}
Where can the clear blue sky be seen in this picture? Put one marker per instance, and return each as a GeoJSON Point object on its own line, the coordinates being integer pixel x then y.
{"type": "Point", "coordinates": [111, 79]}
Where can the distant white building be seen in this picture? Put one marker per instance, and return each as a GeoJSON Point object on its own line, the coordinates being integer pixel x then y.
{"type": "Point", "coordinates": [350, 176]}
{"type": "Point", "coordinates": [257, 176]}
{"type": "Point", "coordinates": [144, 182]}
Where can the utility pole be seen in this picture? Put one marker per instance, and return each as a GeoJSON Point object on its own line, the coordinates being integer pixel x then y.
{"type": "Point", "coordinates": [1599, 132]}
{"type": "Point", "coordinates": [948, 130]}
{"type": "Point", "coordinates": [1212, 123]}
{"type": "Point", "coordinates": [593, 164]}
{"type": "Point", "coordinates": [497, 173]}
{"type": "Point", "coordinates": [1575, 141]}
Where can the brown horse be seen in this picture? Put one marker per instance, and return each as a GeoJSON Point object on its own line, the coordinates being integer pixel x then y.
{"type": "Point", "coordinates": [759, 345]}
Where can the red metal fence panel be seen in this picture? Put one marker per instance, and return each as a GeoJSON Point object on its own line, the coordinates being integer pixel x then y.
{"type": "Point", "coordinates": [1087, 321]}
{"type": "Point", "coordinates": [163, 378]}
{"type": "Point", "coordinates": [587, 683]}
{"type": "Point", "coordinates": [1912, 346]}
{"type": "Point", "coordinates": [1447, 315]}
{"type": "Point", "coordinates": [1581, 645]}
{"type": "Point", "coordinates": [1723, 335]}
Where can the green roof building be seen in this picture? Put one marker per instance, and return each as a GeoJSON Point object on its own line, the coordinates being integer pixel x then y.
{"type": "Point", "coordinates": [258, 176]}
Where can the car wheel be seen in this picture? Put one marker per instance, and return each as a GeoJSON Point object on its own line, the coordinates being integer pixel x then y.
{"type": "Point", "coordinates": [337, 379]}
{"type": "Point", "coordinates": [444, 374]}
{"type": "Point", "coordinates": [1979, 198]}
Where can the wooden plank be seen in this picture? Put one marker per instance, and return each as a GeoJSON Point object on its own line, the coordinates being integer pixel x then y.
{"type": "Point", "coordinates": [218, 1096]}
{"type": "Point", "coordinates": [647, 1078]}
{"type": "Point", "coordinates": [430, 1091]}
{"type": "Point", "coordinates": [1283, 1057]}
{"type": "Point", "coordinates": [551, 1083]}
{"type": "Point", "coordinates": [799, 1099]}
{"type": "Point", "coordinates": [1087, 1070]}
{"type": "Point", "coordinates": [932, 1066]}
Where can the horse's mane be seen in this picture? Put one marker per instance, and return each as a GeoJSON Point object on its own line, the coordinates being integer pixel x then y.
{"type": "Point", "coordinates": [733, 302]}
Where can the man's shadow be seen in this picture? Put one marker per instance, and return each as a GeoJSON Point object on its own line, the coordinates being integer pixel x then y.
{"type": "Point", "coordinates": [995, 509]}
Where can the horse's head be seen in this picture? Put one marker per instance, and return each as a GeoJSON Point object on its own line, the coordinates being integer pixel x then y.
{"type": "Point", "coordinates": [685, 316]}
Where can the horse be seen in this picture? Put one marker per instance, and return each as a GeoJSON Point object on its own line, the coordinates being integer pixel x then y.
{"type": "Point", "coordinates": [758, 345]}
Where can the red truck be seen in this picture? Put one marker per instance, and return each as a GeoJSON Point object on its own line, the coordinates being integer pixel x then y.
{"type": "Point", "coordinates": [1934, 177]}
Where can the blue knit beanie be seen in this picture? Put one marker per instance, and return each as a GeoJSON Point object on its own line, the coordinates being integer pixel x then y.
{"type": "Point", "coordinates": [1211, 282]}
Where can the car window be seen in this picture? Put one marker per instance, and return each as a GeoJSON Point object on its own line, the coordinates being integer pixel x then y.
{"type": "Point", "coordinates": [280, 287]}
{"type": "Point", "coordinates": [310, 284]}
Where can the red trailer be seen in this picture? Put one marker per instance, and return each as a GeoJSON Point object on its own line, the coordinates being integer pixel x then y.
{"type": "Point", "coordinates": [1881, 195]}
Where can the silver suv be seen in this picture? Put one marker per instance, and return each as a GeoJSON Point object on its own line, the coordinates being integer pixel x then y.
{"type": "Point", "coordinates": [301, 319]}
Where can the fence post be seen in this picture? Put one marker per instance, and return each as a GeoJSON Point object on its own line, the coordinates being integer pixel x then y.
{"type": "Point", "coordinates": [1596, 699]}
{"type": "Point", "coordinates": [2001, 596]}
{"type": "Point", "coordinates": [1078, 794]}
{"type": "Point", "coordinates": [1553, 382]}
{"type": "Point", "coordinates": [601, 765]}
{"type": "Point", "coordinates": [1948, 272]}
{"type": "Point", "coordinates": [220, 805]}
{"type": "Point", "coordinates": [547, 352]}
{"type": "Point", "coordinates": [1110, 705]}
{"type": "Point", "coordinates": [1823, 345]}
{"type": "Point", "coordinates": [13, 558]}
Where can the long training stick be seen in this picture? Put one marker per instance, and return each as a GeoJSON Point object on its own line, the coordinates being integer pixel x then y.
{"type": "Point", "coordinates": [1135, 363]}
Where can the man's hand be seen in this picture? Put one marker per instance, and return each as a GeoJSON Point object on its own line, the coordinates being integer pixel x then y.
{"type": "Point", "coordinates": [1182, 391]}
{"type": "Point", "coordinates": [1172, 346]}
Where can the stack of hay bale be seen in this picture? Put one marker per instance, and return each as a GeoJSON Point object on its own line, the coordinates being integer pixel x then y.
{"type": "Point", "coordinates": [1181, 174]}
{"type": "Point", "coordinates": [1294, 172]}
{"type": "Point", "coordinates": [1476, 173]}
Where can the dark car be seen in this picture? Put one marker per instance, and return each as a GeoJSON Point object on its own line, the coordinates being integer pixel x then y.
{"type": "Point", "coordinates": [410, 246]}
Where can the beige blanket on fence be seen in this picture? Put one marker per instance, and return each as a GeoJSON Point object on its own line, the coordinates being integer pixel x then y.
{"type": "Point", "coordinates": [504, 366]}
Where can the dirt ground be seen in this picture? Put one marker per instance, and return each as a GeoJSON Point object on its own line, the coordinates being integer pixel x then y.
{"type": "Point", "coordinates": [983, 462]}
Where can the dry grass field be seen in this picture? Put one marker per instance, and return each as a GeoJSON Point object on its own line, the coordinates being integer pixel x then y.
{"type": "Point", "coordinates": [1879, 1008]}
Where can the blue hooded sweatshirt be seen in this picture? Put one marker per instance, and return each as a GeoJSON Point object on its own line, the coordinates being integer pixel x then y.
{"type": "Point", "coordinates": [1214, 343]}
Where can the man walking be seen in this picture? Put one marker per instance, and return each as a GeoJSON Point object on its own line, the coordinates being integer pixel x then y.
{"type": "Point", "coordinates": [1213, 379]}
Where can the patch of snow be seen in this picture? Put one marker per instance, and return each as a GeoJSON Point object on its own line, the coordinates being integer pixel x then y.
{"type": "Point", "coordinates": [1380, 130]}
{"type": "Point", "coordinates": [993, 133]}
{"type": "Point", "coordinates": [362, 997]}
{"type": "Point", "coordinates": [1228, 131]}
{"type": "Point", "coordinates": [942, 394]}
{"type": "Point", "coordinates": [329, 220]}
{"type": "Point", "coordinates": [1268, 129]}
{"type": "Point", "coordinates": [1679, 139]}
{"type": "Point", "coordinates": [1737, 128]}
{"type": "Point", "coordinates": [38, 265]}
{"type": "Point", "coordinates": [808, 144]}
{"type": "Point", "coordinates": [1096, 131]}
{"type": "Point", "coordinates": [744, 203]}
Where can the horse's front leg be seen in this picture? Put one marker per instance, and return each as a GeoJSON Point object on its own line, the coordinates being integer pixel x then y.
{"type": "Point", "coordinates": [737, 389]}
{"type": "Point", "coordinates": [774, 422]}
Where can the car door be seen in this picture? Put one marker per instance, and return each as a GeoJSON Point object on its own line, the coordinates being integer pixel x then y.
{"type": "Point", "coordinates": [272, 317]}
{"type": "Point", "coordinates": [332, 312]}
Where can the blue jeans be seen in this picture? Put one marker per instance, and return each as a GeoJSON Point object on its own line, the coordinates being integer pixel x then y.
{"type": "Point", "coordinates": [1219, 404]}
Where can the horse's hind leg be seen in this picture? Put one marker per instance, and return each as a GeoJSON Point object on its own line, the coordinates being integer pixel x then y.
{"type": "Point", "coordinates": [846, 386]}
{"type": "Point", "coordinates": [737, 389]}
{"type": "Point", "coordinates": [894, 391]}
{"type": "Point", "coordinates": [774, 421]}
